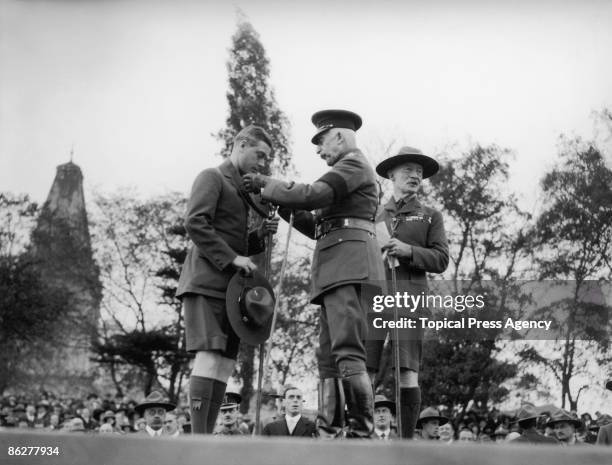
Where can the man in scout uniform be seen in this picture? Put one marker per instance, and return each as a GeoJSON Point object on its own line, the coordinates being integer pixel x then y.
{"type": "Point", "coordinates": [153, 409]}
{"type": "Point", "coordinates": [419, 244]}
{"type": "Point", "coordinates": [604, 436]}
{"type": "Point", "coordinates": [229, 415]}
{"type": "Point", "coordinates": [346, 259]}
{"type": "Point", "coordinates": [429, 422]}
{"type": "Point", "coordinates": [564, 424]}
{"type": "Point", "coordinates": [216, 222]}
{"type": "Point", "coordinates": [527, 419]}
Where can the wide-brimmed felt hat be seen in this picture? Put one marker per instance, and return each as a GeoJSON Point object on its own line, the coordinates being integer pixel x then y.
{"type": "Point", "coordinates": [563, 416]}
{"type": "Point", "coordinates": [526, 412]}
{"type": "Point", "coordinates": [327, 119]}
{"type": "Point", "coordinates": [431, 413]}
{"type": "Point", "coordinates": [155, 399]}
{"type": "Point", "coordinates": [231, 400]}
{"type": "Point", "coordinates": [107, 414]}
{"type": "Point", "coordinates": [408, 155]}
{"type": "Point", "coordinates": [382, 401]}
{"type": "Point", "coordinates": [250, 307]}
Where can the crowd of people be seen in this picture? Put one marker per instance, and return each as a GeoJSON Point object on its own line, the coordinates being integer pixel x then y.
{"type": "Point", "coordinates": [287, 416]}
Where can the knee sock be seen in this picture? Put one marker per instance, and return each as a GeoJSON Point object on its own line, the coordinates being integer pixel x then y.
{"type": "Point", "coordinates": [200, 395]}
{"type": "Point", "coordinates": [410, 404]}
{"type": "Point", "coordinates": [218, 392]}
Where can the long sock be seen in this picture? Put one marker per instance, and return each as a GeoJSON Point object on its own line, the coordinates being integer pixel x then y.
{"type": "Point", "coordinates": [410, 405]}
{"type": "Point", "coordinates": [200, 395]}
{"type": "Point", "coordinates": [218, 392]}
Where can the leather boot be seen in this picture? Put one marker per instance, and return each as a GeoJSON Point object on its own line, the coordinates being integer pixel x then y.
{"type": "Point", "coordinates": [331, 407]}
{"type": "Point", "coordinates": [360, 405]}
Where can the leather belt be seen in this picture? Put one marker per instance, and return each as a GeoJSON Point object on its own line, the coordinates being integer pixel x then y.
{"type": "Point", "coordinates": [326, 226]}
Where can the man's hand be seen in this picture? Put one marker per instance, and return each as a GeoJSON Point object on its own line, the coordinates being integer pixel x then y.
{"type": "Point", "coordinates": [269, 226]}
{"type": "Point", "coordinates": [244, 263]}
{"type": "Point", "coordinates": [397, 248]}
{"type": "Point", "coordinates": [254, 182]}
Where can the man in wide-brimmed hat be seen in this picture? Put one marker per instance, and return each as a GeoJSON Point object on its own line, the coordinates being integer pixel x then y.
{"type": "Point", "coordinates": [384, 411]}
{"type": "Point", "coordinates": [565, 425]}
{"type": "Point", "coordinates": [429, 421]}
{"type": "Point", "coordinates": [417, 245]}
{"type": "Point", "coordinates": [527, 419]}
{"type": "Point", "coordinates": [153, 409]}
{"type": "Point", "coordinates": [217, 224]}
{"type": "Point", "coordinates": [338, 210]}
{"type": "Point", "coordinates": [604, 436]}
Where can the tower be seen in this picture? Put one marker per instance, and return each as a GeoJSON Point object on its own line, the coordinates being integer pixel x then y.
{"type": "Point", "coordinates": [62, 246]}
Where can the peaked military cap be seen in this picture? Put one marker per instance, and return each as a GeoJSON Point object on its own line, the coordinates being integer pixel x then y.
{"type": "Point", "coordinates": [231, 400]}
{"type": "Point", "coordinates": [326, 119]}
{"type": "Point", "coordinates": [405, 155]}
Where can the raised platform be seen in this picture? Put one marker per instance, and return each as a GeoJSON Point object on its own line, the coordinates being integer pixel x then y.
{"type": "Point", "coordinates": [83, 449]}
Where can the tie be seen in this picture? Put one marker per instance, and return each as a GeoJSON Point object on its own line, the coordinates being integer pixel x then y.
{"type": "Point", "coordinates": [382, 436]}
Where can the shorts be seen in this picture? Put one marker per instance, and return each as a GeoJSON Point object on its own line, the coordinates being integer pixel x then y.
{"type": "Point", "coordinates": [207, 327]}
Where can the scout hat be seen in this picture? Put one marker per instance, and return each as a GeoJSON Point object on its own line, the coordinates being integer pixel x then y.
{"type": "Point", "coordinates": [382, 401]}
{"type": "Point", "coordinates": [408, 154]}
{"type": "Point", "coordinates": [250, 307]}
{"type": "Point", "coordinates": [155, 399]}
{"type": "Point", "coordinates": [563, 416]}
{"type": "Point", "coordinates": [526, 412]}
{"type": "Point", "coordinates": [231, 400]}
{"type": "Point", "coordinates": [431, 413]}
{"type": "Point", "coordinates": [326, 119]}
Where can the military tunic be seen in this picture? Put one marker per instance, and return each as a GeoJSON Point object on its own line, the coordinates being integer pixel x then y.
{"type": "Point", "coordinates": [422, 228]}
{"type": "Point", "coordinates": [346, 260]}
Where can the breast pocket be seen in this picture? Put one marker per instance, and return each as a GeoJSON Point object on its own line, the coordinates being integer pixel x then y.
{"type": "Point", "coordinates": [340, 258]}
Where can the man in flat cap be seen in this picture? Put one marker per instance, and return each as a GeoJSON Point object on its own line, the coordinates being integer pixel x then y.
{"type": "Point", "coordinates": [604, 436]}
{"type": "Point", "coordinates": [346, 259]}
{"type": "Point", "coordinates": [217, 224]}
{"type": "Point", "coordinates": [229, 415]}
{"type": "Point", "coordinates": [418, 243]}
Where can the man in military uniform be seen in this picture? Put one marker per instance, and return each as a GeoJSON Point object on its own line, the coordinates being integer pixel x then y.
{"type": "Point", "coordinates": [418, 242]}
{"type": "Point", "coordinates": [346, 259]}
{"type": "Point", "coordinates": [217, 224]}
{"type": "Point", "coordinates": [229, 415]}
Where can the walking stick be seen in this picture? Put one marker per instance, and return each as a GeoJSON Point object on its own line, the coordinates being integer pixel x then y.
{"type": "Point", "coordinates": [396, 355]}
{"type": "Point", "coordinates": [264, 353]}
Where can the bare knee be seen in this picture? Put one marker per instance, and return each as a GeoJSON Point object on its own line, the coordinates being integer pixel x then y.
{"type": "Point", "coordinates": [213, 365]}
{"type": "Point", "coordinates": [409, 378]}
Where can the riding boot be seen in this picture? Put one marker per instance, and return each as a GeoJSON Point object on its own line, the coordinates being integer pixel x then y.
{"type": "Point", "coordinates": [331, 407]}
{"type": "Point", "coordinates": [360, 405]}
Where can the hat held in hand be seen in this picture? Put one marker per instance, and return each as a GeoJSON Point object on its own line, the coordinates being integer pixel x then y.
{"type": "Point", "coordinates": [250, 307]}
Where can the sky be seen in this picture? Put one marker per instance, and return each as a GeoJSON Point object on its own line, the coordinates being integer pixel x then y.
{"type": "Point", "coordinates": [137, 88]}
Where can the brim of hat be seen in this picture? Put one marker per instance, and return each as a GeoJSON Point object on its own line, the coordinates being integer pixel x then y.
{"type": "Point", "coordinates": [246, 334]}
{"type": "Point", "coordinates": [576, 423]}
{"type": "Point", "coordinates": [386, 403]}
{"type": "Point", "coordinates": [145, 405]}
{"type": "Point", "coordinates": [430, 166]}
{"type": "Point", "coordinates": [442, 420]}
{"type": "Point", "coordinates": [315, 138]}
{"type": "Point", "coordinates": [526, 419]}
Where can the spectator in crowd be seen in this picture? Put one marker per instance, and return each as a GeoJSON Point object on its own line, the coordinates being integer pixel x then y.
{"type": "Point", "coordinates": [447, 433]}
{"type": "Point", "coordinates": [109, 418]}
{"type": "Point", "coordinates": [466, 435]}
{"type": "Point", "coordinates": [527, 418]}
{"type": "Point", "coordinates": [564, 425]}
{"type": "Point", "coordinates": [604, 437]}
{"type": "Point", "coordinates": [153, 409]}
{"type": "Point", "coordinates": [384, 410]}
{"type": "Point", "coordinates": [429, 422]}
{"type": "Point", "coordinates": [171, 427]}
{"type": "Point", "coordinates": [500, 433]}
{"type": "Point", "coordinates": [84, 414]}
{"type": "Point", "coordinates": [229, 415]}
{"type": "Point", "coordinates": [292, 423]}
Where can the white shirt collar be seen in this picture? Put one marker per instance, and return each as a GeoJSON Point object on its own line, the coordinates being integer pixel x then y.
{"type": "Point", "coordinates": [292, 422]}
{"type": "Point", "coordinates": [380, 432]}
{"type": "Point", "coordinates": [153, 432]}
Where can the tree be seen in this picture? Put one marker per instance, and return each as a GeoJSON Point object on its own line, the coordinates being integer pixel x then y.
{"type": "Point", "coordinates": [488, 243]}
{"type": "Point", "coordinates": [32, 312]}
{"type": "Point", "coordinates": [574, 243]}
{"type": "Point", "coordinates": [251, 100]}
{"type": "Point", "coordinates": [142, 327]}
